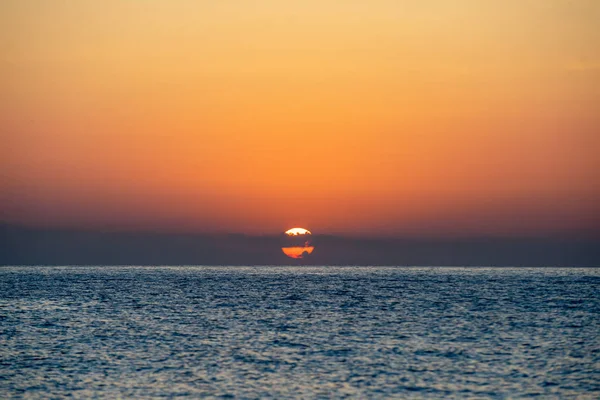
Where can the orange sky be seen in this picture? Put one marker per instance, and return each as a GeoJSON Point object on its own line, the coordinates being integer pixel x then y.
{"type": "Point", "coordinates": [431, 117]}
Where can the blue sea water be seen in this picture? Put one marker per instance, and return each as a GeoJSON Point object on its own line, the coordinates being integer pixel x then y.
{"type": "Point", "coordinates": [308, 332]}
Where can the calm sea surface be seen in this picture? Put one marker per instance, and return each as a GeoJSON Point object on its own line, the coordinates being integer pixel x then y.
{"type": "Point", "coordinates": [277, 332]}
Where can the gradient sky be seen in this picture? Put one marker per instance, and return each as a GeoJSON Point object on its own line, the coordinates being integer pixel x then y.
{"type": "Point", "coordinates": [429, 117]}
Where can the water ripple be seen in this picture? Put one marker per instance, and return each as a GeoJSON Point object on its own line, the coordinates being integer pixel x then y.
{"type": "Point", "coordinates": [277, 332]}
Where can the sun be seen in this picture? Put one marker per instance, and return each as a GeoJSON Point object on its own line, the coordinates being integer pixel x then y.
{"type": "Point", "coordinates": [297, 243]}
{"type": "Point", "coordinates": [297, 231]}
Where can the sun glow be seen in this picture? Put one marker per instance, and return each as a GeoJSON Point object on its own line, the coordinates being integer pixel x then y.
{"type": "Point", "coordinates": [434, 98]}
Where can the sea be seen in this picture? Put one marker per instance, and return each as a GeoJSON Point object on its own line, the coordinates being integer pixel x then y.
{"type": "Point", "coordinates": [299, 332]}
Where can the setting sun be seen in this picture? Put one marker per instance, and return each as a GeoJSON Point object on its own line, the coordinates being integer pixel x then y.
{"type": "Point", "coordinates": [297, 231]}
{"type": "Point", "coordinates": [297, 252]}
{"type": "Point", "coordinates": [297, 243]}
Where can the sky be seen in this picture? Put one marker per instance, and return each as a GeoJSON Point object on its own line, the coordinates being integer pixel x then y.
{"type": "Point", "coordinates": [418, 118]}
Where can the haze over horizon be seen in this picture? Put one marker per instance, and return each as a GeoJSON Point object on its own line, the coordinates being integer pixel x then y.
{"type": "Point", "coordinates": [384, 118]}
